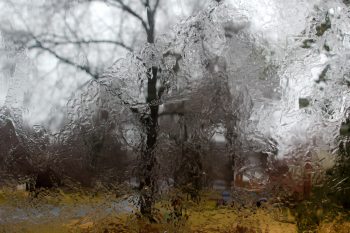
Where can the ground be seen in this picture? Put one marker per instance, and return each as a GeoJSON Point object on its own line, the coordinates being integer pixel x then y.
{"type": "Point", "coordinates": [76, 212]}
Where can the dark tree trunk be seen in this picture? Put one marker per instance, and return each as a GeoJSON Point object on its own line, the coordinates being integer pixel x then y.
{"type": "Point", "coordinates": [148, 162]}
{"type": "Point", "coordinates": [148, 159]}
{"type": "Point", "coordinates": [148, 185]}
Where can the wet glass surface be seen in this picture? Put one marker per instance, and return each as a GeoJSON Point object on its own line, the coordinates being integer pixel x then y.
{"type": "Point", "coordinates": [234, 120]}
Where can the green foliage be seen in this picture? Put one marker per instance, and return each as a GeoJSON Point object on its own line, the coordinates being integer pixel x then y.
{"type": "Point", "coordinates": [307, 43]}
{"type": "Point", "coordinates": [303, 102]}
{"type": "Point", "coordinates": [323, 27]}
{"type": "Point", "coordinates": [310, 213]}
{"type": "Point", "coordinates": [322, 77]}
{"type": "Point", "coordinates": [345, 129]}
{"type": "Point", "coordinates": [326, 47]}
{"type": "Point", "coordinates": [333, 198]}
{"type": "Point", "coordinates": [339, 175]}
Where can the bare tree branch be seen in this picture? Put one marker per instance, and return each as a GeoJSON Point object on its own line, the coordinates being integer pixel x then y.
{"type": "Point", "coordinates": [126, 8]}
{"type": "Point", "coordinates": [92, 41]}
{"type": "Point", "coordinates": [155, 7]}
{"type": "Point", "coordinates": [63, 59]}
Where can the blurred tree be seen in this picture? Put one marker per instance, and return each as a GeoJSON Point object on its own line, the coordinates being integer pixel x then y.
{"type": "Point", "coordinates": [89, 35]}
{"type": "Point", "coordinates": [61, 38]}
{"type": "Point", "coordinates": [149, 77]}
{"type": "Point", "coordinates": [75, 33]}
{"type": "Point", "coordinates": [72, 42]}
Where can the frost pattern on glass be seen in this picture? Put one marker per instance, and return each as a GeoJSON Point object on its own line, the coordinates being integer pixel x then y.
{"type": "Point", "coordinates": [261, 85]}
{"type": "Point", "coordinates": [313, 85]}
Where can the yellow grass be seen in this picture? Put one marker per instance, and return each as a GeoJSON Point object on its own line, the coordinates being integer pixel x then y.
{"type": "Point", "coordinates": [202, 218]}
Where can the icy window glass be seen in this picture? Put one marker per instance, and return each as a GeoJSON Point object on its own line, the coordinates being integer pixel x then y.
{"type": "Point", "coordinates": [175, 116]}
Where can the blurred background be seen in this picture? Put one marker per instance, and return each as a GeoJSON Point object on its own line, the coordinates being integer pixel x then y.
{"type": "Point", "coordinates": [251, 100]}
{"type": "Point", "coordinates": [68, 43]}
